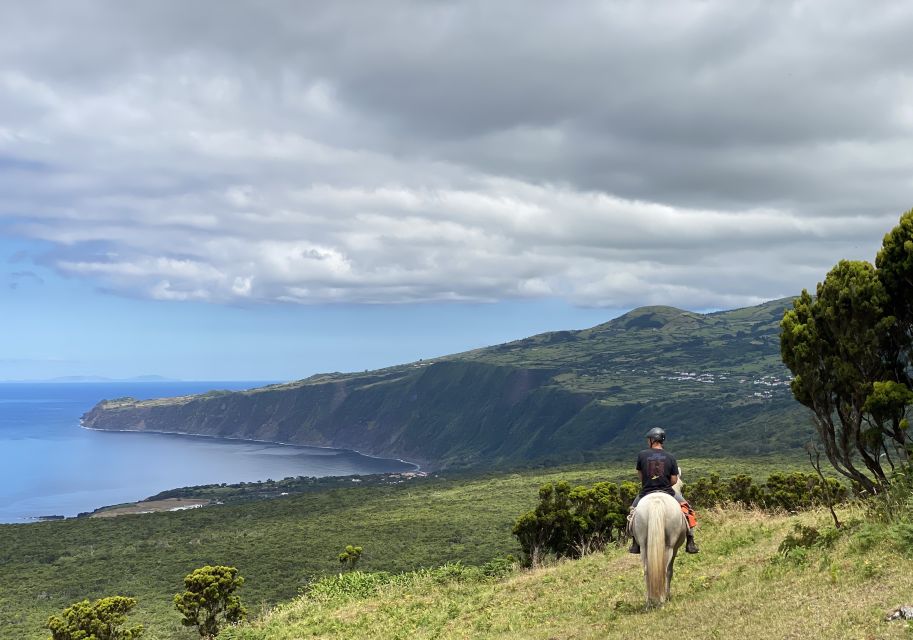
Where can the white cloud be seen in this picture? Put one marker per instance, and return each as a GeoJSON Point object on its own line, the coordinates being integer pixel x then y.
{"type": "Point", "coordinates": [451, 151]}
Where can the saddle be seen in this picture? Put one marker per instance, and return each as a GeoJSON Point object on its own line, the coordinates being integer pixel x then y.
{"type": "Point", "coordinates": [688, 514]}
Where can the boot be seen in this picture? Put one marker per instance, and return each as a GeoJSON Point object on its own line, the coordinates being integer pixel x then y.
{"type": "Point", "coordinates": [635, 546]}
{"type": "Point", "coordinates": [690, 547]}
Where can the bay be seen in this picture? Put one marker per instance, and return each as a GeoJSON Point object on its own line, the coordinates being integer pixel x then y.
{"type": "Point", "coordinates": [49, 465]}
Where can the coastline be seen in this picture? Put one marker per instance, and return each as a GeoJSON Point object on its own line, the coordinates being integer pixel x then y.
{"type": "Point", "coordinates": [417, 466]}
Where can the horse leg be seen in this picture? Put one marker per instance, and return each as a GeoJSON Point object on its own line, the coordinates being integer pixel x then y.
{"type": "Point", "coordinates": [670, 571]}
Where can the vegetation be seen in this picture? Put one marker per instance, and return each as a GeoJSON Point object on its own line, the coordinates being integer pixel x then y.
{"type": "Point", "coordinates": [350, 556]}
{"type": "Point", "coordinates": [792, 492]}
{"type": "Point", "coordinates": [103, 619]}
{"type": "Point", "coordinates": [744, 584]}
{"type": "Point", "coordinates": [572, 522]}
{"type": "Point", "coordinates": [209, 600]}
{"type": "Point", "coordinates": [714, 381]}
{"type": "Point", "coordinates": [849, 349]}
{"type": "Point", "coordinates": [285, 544]}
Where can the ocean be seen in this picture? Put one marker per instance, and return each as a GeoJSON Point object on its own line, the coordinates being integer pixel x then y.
{"type": "Point", "coordinates": [50, 466]}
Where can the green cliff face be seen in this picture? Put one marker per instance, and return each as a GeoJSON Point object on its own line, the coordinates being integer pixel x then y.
{"type": "Point", "coordinates": [715, 382]}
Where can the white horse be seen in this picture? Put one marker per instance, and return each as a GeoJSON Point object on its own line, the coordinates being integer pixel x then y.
{"type": "Point", "coordinates": [660, 528]}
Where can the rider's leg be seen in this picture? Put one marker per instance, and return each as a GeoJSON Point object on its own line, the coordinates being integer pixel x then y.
{"type": "Point", "coordinates": [635, 547]}
{"type": "Point", "coordinates": [690, 546]}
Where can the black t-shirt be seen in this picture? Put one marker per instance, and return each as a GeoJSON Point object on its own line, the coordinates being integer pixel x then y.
{"type": "Point", "coordinates": [657, 467]}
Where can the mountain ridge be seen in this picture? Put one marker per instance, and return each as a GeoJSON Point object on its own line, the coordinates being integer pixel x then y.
{"type": "Point", "coordinates": [715, 381]}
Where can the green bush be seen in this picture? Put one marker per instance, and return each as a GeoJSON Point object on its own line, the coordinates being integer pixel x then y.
{"type": "Point", "coordinates": [499, 567]}
{"type": "Point", "coordinates": [99, 620]}
{"type": "Point", "coordinates": [349, 586]}
{"type": "Point", "coordinates": [894, 503]}
{"type": "Point", "coordinates": [789, 491]}
{"type": "Point", "coordinates": [571, 522]}
{"type": "Point", "coordinates": [209, 599]}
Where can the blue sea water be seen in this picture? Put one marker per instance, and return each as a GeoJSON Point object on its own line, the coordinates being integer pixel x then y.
{"type": "Point", "coordinates": [49, 465]}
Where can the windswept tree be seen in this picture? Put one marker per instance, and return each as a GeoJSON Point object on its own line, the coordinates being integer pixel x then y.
{"type": "Point", "coordinates": [103, 619]}
{"type": "Point", "coordinates": [895, 270]}
{"type": "Point", "coordinates": [209, 599]}
{"type": "Point", "coordinates": [841, 347]}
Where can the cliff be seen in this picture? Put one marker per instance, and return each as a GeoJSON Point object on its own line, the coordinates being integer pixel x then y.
{"type": "Point", "coordinates": [714, 381]}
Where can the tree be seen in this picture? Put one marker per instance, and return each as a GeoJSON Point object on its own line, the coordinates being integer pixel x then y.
{"type": "Point", "coordinates": [350, 556]}
{"type": "Point", "coordinates": [895, 270]}
{"type": "Point", "coordinates": [99, 620]}
{"type": "Point", "coordinates": [209, 599]}
{"type": "Point", "coordinates": [843, 351]}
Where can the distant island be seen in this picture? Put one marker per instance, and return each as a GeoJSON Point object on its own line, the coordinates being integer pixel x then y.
{"type": "Point", "coordinates": [714, 381]}
{"type": "Point", "coordinates": [89, 378]}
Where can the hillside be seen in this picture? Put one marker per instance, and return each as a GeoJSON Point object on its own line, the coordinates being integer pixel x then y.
{"type": "Point", "coordinates": [279, 545]}
{"type": "Point", "coordinates": [715, 381]}
{"type": "Point", "coordinates": [740, 586]}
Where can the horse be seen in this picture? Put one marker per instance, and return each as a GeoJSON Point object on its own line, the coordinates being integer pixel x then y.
{"type": "Point", "coordinates": [660, 528]}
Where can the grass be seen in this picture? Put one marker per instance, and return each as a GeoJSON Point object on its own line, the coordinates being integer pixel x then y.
{"type": "Point", "coordinates": [280, 545]}
{"type": "Point", "coordinates": [740, 586]}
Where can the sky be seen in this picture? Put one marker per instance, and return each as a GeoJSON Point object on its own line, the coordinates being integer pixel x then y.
{"type": "Point", "coordinates": [263, 191]}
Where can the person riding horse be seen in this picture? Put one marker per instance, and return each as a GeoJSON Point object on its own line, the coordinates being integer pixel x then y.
{"type": "Point", "coordinates": [658, 471]}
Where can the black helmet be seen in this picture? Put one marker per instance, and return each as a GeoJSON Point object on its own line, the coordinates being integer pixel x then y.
{"type": "Point", "coordinates": [656, 434]}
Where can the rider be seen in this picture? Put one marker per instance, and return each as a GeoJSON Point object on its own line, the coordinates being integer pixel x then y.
{"type": "Point", "coordinates": [658, 471]}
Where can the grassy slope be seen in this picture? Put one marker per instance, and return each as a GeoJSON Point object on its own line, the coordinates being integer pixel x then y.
{"type": "Point", "coordinates": [738, 587]}
{"type": "Point", "coordinates": [279, 545]}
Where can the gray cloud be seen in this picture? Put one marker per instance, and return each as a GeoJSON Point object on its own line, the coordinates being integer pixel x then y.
{"type": "Point", "coordinates": [612, 154]}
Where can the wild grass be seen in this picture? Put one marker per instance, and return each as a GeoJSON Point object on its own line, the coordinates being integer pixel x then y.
{"type": "Point", "coordinates": [740, 586]}
{"type": "Point", "coordinates": [284, 544]}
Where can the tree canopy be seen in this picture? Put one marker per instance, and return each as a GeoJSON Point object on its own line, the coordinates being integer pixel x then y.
{"type": "Point", "coordinates": [848, 348]}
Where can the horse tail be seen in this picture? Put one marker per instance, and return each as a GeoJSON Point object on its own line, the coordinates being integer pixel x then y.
{"type": "Point", "coordinates": [656, 552]}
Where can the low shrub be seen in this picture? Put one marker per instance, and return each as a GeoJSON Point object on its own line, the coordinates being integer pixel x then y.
{"type": "Point", "coordinates": [788, 491]}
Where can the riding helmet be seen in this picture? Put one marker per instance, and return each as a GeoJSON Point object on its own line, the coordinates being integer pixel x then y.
{"type": "Point", "coordinates": [656, 434]}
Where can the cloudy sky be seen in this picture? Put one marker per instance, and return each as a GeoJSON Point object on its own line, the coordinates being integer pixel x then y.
{"type": "Point", "coordinates": [263, 190]}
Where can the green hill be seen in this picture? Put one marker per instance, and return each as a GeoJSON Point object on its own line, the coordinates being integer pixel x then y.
{"type": "Point", "coordinates": [279, 545]}
{"type": "Point", "coordinates": [715, 381]}
{"type": "Point", "coordinates": [740, 586]}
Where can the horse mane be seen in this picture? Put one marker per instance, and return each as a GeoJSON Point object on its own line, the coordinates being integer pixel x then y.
{"type": "Point", "coordinates": [677, 487]}
{"type": "Point", "coordinates": [656, 552]}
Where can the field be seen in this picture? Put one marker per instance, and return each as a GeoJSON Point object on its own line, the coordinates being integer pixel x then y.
{"type": "Point", "coordinates": [740, 586]}
{"type": "Point", "coordinates": [280, 545]}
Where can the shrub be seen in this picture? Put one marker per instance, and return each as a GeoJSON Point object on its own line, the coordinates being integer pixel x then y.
{"type": "Point", "coordinates": [209, 599]}
{"type": "Point", "coordinates": [350, 556]}
{"type": "Point", "coordinates": [499, 567]}
{"type": "Point", "coordinates": [352, 585]}
{"type": "Point", "coordinates": [803, 538]}
{"type": "Point", "coordinates": [790, 491]}
{"type": "Point", "coordinates": [894, 503]}
{"type": "Point", "coordinates": [707, 492]}
{"type": "Point", "coordinates": [571, 522]}
{"type": "Point", "coordinates": [99, 620]}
